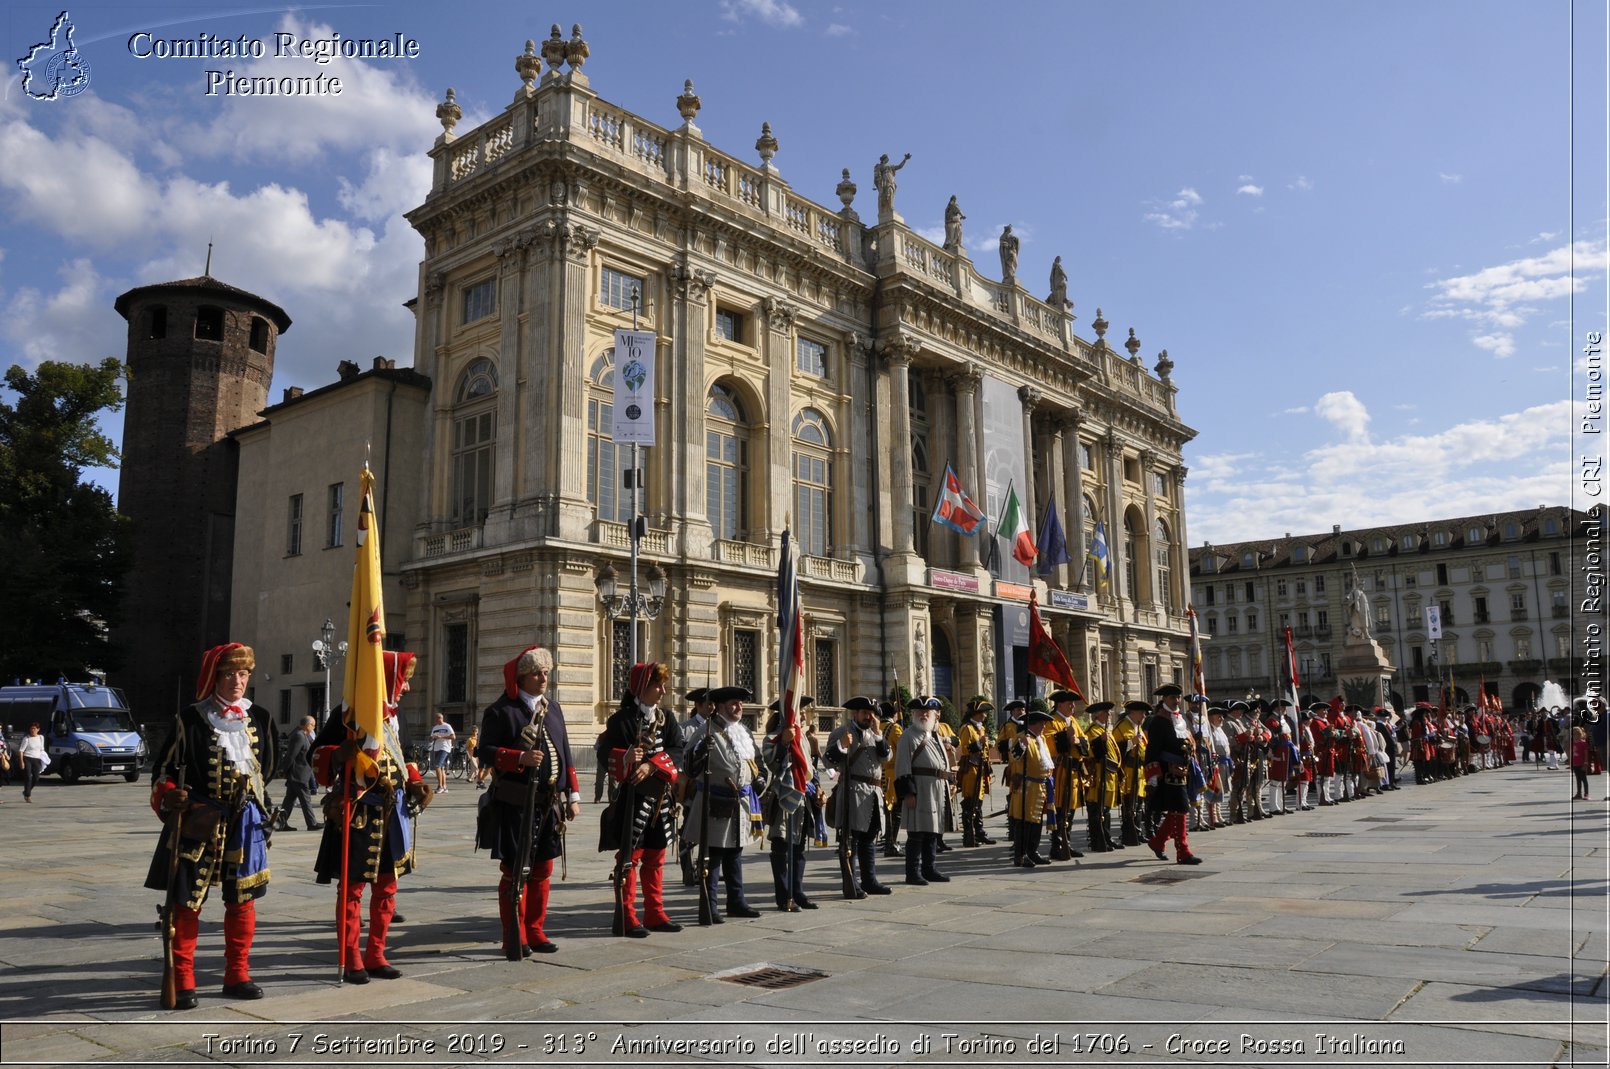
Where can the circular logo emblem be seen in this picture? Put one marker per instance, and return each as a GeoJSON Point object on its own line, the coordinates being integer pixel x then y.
{"type": "Point", "coordinates": [633, 412]}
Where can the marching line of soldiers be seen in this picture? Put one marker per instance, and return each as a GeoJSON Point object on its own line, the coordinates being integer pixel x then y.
{"type": "Point", "coordinates": [703, 788]}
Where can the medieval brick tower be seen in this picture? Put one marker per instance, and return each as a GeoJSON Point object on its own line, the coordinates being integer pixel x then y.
{"type": "Point", "coordinates": [200, 357]}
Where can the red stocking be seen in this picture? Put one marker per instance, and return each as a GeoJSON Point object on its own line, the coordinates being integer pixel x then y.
{"type": "Point", "coordinates": [186, 923]}
{"type": "Point", "coordinates": [629, 891]}
{"type": "Point", "coordinates": [653, 887]}
{"type": "Point", "coordinates": [536, 901]}
{"type": "Point", "coordinates": [240, 924]}
{"type": "Point", "coordinates": [382, 904]}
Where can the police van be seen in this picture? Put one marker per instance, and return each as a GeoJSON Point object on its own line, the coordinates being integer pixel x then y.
{"type": "Point", "coordinates": [87, 727]}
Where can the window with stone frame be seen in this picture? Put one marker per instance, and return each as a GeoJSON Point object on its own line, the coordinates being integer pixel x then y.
{"type": "Point", "coordinates": [480, 300]}
{"type": "Point", "coordinates": [746, 659]}
{"type": "Point", "coordinates": [258, 339]}
{"type": "Point", "coordinates": [335, 512]}
{"type": "Point", "coordinates": [1164, 554]}
{"type": "Point", "coordinates": [921, 492]}
{"type": "Point", "coordinates": [473, 445]}
{"type": "Point", "coordinates": [620, 656]}
{"type": "Point", "coordinates": [730, 326]}
{"type": "Point", "coordinates": [616, 288]}
{"type": "Point", "coordinates": [606, 462]}
{"type": "Point", "coordinates": [726, 465]}
{"type": "Point", "coordinates": [810, 356]}
{"type": "Point", "coordinates": [826, 690]}
{"type": "Point", "coordinates": [813, 495]}
{"type": "Point", "coordinates": [456, 663]}
{"type": "Point", "coordinates": [293, 533]}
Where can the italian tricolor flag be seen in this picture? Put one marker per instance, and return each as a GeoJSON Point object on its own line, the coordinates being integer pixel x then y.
{"type": "Point", "coordinates": [1015, 526]}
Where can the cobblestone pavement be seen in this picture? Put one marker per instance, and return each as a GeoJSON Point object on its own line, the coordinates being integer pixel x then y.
{"type": "Point", "coordinates": [1459, 923]}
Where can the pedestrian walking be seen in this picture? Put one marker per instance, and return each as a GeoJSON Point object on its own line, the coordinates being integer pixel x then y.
{"type": "Point", "coordinates": [299, 778]}
{"type": "Point", "coordinates": [442, 737]}
{"type": "Point", "coordinates": [34, 759]}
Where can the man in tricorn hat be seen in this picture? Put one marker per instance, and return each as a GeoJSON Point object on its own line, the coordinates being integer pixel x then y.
{"type": "Point", "coordinates": [722, 757]}
{"type": "Point", "coordinates": [1132, 784]}
{"type": "Point", "coordinates": [1103, 765]}
{"type": "Point", "coordinates": [211, 776]}
{"type": "Point", "coordinates": [858, 750]}
{"type": "Point", "coordinates": [973, 775]}
{"type": "Point", "coordinates": [523, 739]}
{"type": "Point", "coordinates": [922, 774]}
{"type": "Point", "coordinates": [1070, 751]}
{"type": "Point", "coordinates": [1011, 728]}
{"type": "Point", "coordinates": [790, 813]}
{"type": "Point", "coordinates": [1029, 767]}
{"type": "Point", "coordinates": [1168, 751]}
{"type": "Point", "coordinates": [889, 716]}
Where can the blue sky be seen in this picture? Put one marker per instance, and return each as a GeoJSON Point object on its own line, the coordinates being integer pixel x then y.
{"type": "Point", "coordinates": [1370, 235]}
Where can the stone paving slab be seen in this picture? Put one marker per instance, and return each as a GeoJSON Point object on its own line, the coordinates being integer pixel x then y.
{"type": "Point", "coordinates": [1469, 932]}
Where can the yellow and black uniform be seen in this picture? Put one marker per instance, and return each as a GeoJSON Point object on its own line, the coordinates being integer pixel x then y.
{"type": "Point", "coordinates": [1070, 750]}
{"type": "Point", "coordinates": [1102, 768]}
{"type": "Point", "coordinates": [974, 772]}
{"type": "Point", "coordinates": [1029, 768]}
{"type": "Point", "coordinates": [891, 803]}
{"type": "Point", "coordinates": [1132, 778]}
{"type": "Point", "coordinates": [947, 740]}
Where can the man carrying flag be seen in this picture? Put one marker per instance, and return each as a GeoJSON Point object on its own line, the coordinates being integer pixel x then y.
{"type": "Point", "coordinates": [368, 834]}
{"type": "Point", "coordinates": [784, 751]}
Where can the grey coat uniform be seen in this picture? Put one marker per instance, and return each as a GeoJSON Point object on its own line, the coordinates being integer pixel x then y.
{"type": "Point", "coordinates": [864, 777]}
{"type": "Point", "coordinates": [780, 825]}
{"type": "Point", "coordinates": [920, 760]}
{"type": "Point", "coordinates": [728, 821]}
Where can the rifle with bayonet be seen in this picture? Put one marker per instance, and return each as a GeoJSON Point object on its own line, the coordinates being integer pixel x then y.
{"type": "Point", "coordinates": [531, 739]}
{"type": "Point", "coordinates": [167, 912]}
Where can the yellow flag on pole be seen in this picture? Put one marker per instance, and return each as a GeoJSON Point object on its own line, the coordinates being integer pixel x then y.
{"type": "Point", "coordinates": [364, 690]}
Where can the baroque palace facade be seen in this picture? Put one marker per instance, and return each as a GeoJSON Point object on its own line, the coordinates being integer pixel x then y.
{"type": "Point", "coordinates": [812, 370]}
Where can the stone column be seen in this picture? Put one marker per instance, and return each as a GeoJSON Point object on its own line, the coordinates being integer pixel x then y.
{"type": "Point", "coordinates": [1181, 548]}
{"type": "Point", "coordinates": [688, 504]}
{"type": "Point", "coordinates": [572, 246]}
{"type": "Point", "coordinates": [441, 399]}
{"type": "Point", "coordinates": [964, 383]}
{"type": "Point", "coordinates": [1118, 581]}
{"type": "Point", "coordinates": [1053, 479]}
{"type": "Point", "coordinates": [897, 353]}
{"type": "Point", "coordinates": [1073, 481]}
{"type": "Point", "coordinates": [1031, 398]}
{"type": "Point", "coordinates": [1148, 464]}
{"type": "Point", "coordinates": [779, 318]}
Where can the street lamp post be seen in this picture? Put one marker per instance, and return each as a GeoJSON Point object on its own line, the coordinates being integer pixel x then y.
{"type": "Point", "coordinates": [323, 647]}
{"type": "Point", "coordinates": [634, 602]}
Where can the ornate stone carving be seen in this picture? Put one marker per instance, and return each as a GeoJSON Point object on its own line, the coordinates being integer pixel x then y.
{"type": "Point", "coordinates": [919, 654]}
{"type": "Point", "coordinates": [688, 104]}
{"type": "Point", "coordinates": [846, 190]}
{"type": "Point", "coordinates": [1009, 245]}
{"type": "Point", "coordinates": [1030, 396]}
{"type": "Point", "coordinates": [449, 113]}
{"type": "Point", "coordinates": [766, 145]}
{"type": "Point", "coordinates": [898, 349]}
{"type": "Point", "coordinates": [553, 49]}
{"type": "Point", "coordinates": [1099, 325]}
{"type": "Point", "coordinates": [576, 50]}
{"type": "Point", "coordinates": [528, 64]}
{"type": "Point", "coordinates": [1133, 345]}
{"type": "Point", "coordinates": [966, 376]}
{"type": "Point", "coordinates": [953, 226]}
{"type": "Point", "coordinates": [1058, 298]}
{"type": "Point", "coordinates": [883, 181]}
{"type": "Point", "coordinates": [986, 664]}
{"type": "Point", "coordinates": [1165, 366]}
{"type": "Point", "coordinates": [691, 283]}
{"type": "Point", "coordinates": [575, 241]}
{"type": "Point", "coordinates": [435, 282]}
{"type": "Point", "coordinates": [780, 314]}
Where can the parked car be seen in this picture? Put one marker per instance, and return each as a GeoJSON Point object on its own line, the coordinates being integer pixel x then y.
{"type": "Point", "coordinates": [88, 728]}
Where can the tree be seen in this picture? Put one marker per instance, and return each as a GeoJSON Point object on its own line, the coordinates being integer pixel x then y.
{"type": "Point", "coordinates": [64, 549]}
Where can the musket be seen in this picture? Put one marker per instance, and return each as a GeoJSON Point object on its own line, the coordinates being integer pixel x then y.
{"type": "Point", "coordinates": [707, 913]}
{"type": "Point", "coordinates": [623, 860]}
{"type": "Point", "coordinates": [513, 937]}
{"type": "Point", "coordinates": [167, 911]}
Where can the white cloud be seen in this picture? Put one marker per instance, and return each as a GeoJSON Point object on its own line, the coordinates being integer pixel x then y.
{"type": "Point", "coordinates": [1250, 190]}
{"type": "Point", "coordinates": [1499, 300]}
{"type": "Point", "coordinates": [1450, 179]}
{"type": "Point", "coordinates": [990, 244]}
{"type": "Point", "coordinates": [1177, 214]}
{"type": "Point", "coordinates": [777, 13]}
{"type": "Point", "coordinates": [838, 29]}
{"type": "Point", "coordinates": [1299, 410]}
{"type": "Point", "coordinates": [1508, 462]}
{"type": "Point", "coordinates": [1544, 236]}
{"type": "Point", "coordinates": [1303, 183]}
{"type": "Point", "coordinates": [1500, 345]}
{"type": "Point", "coordinates": [69, 324]}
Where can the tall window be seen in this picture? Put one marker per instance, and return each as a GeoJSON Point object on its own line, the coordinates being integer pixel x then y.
{"type": "Point", "coordinates": [209, 323]}
{"type": "Point", "coordinates": [729, 325]}
{"type": "Point", "coordinates": [726, 465]}
{"type": "Point", "coordinates": [811, 357]}
{"type": "Point", "coordinates": [456, 672]}
{"type": "Point", "coordinates": [333, 527]}
{"type": "Point", "coordinates": [259, 336]}
{"type": "Point", "coordinates": [1130, 575]}
{"type": "Point", "coordinates": [813, 499]}
{"type": "Point", "coordinates": [480, 300]}
{"type": "Point", "coordinates": [826, 672]}
{"type": "Point", "coordinates": [922, 505]}
{"type": "Point", "coordinates": [615, 288]}
{"type": "Point", "coordinates": [606, 465]}
{"type": "Point", "coordinates": [620, 660]}
{"type": "Point", "coordinates": [474, 431]}
{"type": "Point", "coordinates": [1165, 570]}
{"type": "Point", "coordinates": [293, 532]}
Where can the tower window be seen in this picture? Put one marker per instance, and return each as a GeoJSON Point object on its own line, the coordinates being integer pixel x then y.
{"type": "Point", "coordinates": [158, 322]}
{"type": "Point", "coordinates": [259, 339]}
{"type": "Point", "coordinates": [209, 324]}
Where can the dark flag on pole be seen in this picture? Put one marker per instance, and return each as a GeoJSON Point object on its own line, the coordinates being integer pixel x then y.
{"type": "Point", "coordinates": [1053, 544]}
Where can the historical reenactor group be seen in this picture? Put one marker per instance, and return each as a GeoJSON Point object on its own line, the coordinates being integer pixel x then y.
{"type": "Point", "coordinates": [1144, 774]}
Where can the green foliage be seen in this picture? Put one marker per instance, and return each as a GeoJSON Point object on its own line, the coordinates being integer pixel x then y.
{"type": "Point", "coordinates": [949, 714]}
{"type": "Point", "coordinates": [64, 545]}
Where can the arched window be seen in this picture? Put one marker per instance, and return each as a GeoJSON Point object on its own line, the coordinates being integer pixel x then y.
{"type": "Point", "coordinates": [726, 465]}
{"type": "Point", "coordinates": [474, 434]}
{"type": "Point", "coordinates": [813, 499]}
{"type": "Point", "coordinates": [922, 502]}
{"type": "Point", "coordinates": [1136, 556]}
{"type": "Point", "coordinates": [606, 464]}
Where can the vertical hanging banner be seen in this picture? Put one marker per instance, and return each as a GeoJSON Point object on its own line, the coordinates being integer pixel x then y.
{"type": "Point", "coordinates": [1433, 622]}
{"type": "Point", "coordinates": [634, 387]}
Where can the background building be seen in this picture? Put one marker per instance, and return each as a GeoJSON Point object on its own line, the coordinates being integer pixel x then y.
{"type": "Point", "coordinates": [1501, 585]}
{"type": "Point", "coordinates": [813, 370]}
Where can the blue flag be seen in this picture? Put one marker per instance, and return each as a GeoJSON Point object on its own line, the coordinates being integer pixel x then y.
{"type": "Point", "coordinates": [1098, 553]}
{"type": "Point", "coordinates": [1053, 544]}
